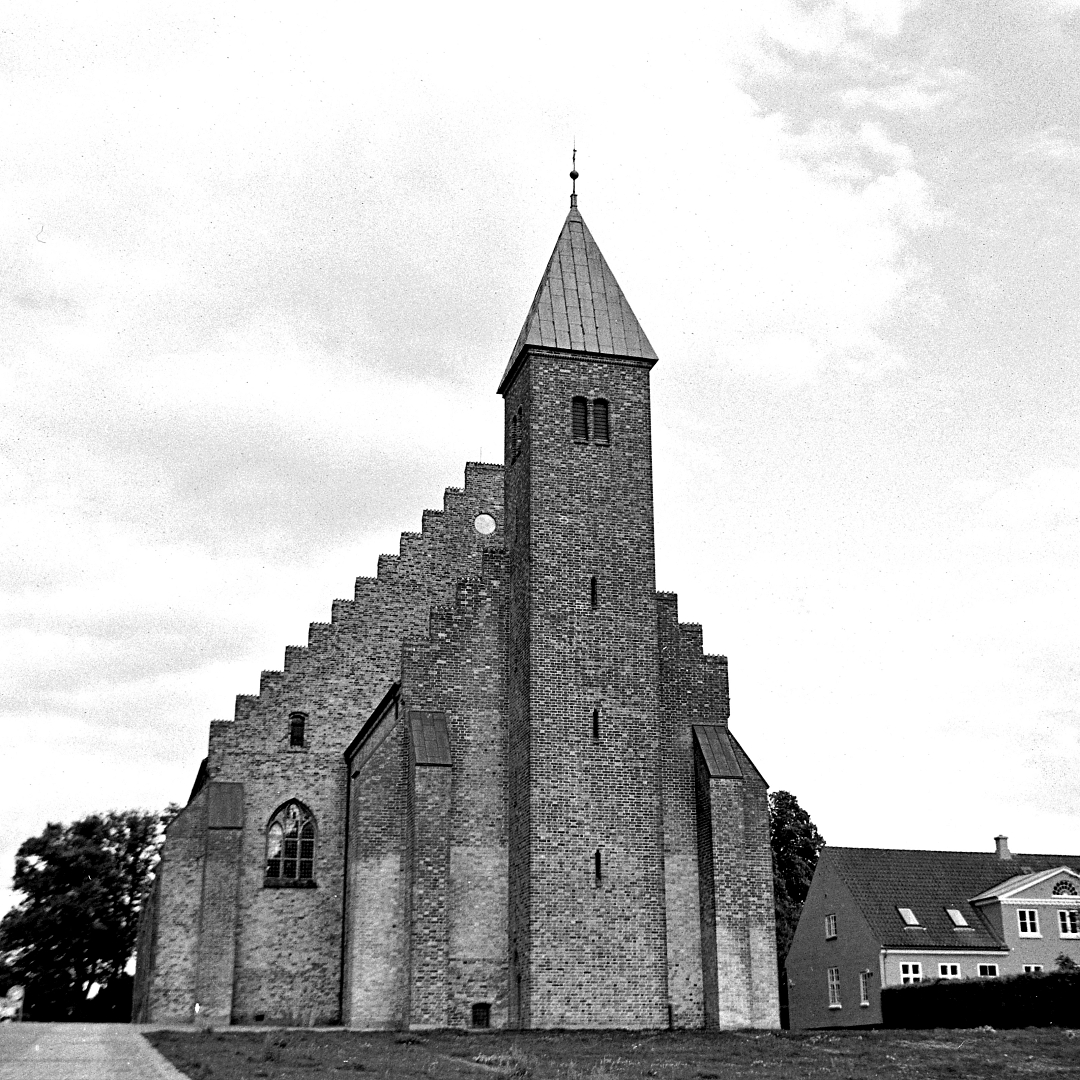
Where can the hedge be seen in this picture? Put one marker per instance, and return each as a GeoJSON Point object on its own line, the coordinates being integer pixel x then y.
{"type": "Point", "coordinates": [1036, 1000]}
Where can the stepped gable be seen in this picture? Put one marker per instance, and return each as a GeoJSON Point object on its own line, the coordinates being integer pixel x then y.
{"type": "Point", "coordinates": [360, 646]}
{"type": "Point", "coordinates": [579, 305]}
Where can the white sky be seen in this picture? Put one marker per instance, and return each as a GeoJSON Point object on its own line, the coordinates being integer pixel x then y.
{"type": "Point", "coordinates": [261, 267]}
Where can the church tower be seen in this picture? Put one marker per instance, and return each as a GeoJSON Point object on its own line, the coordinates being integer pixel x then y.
{"type": "Point", "coordinates": [586, 889]}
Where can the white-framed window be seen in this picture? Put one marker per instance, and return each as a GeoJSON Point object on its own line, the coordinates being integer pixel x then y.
{"type": "Point", "coordinates": [1028, 920]}
{"type": "Point", "coordinates": [948, 971]}
{"type": "Point", "coordinates": [834, 988]}
{"type": "Point", "coordinates": [830, 927]}
{"type": "Point", "coordinates": [988, 971]}
{"type": "Point", "coordinates": [864, 988]}
{"type": "Point", "coordinates": [1031, 969]}
{"type": "Point", "coordinates": [909, 916]}
{"type": "Point", "coordinates": [1069, 923]}
{"type": "Point", "coordinates": [957, 916]}
{"type": "Point", "coordinates": [910, 973]}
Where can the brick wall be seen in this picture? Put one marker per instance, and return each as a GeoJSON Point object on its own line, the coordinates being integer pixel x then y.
{"type": "Point", "coordinates": [289, 941]}
{"type": "Point", "coordinates": [595, 950]}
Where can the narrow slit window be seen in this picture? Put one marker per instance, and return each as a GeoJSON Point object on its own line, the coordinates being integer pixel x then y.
{"type": "Point", "coordinates": [596, 723]}
{"type": "Point", "coordinates": [601, 429]}
{"type": "Point", "coordinates": [598, 868]}
{"type": "Point", "coordinates": [297, 721]}
{"type": "Point", "coordinates": [594, 593]}
{"type": "Point", "coordinates": [579, 419]}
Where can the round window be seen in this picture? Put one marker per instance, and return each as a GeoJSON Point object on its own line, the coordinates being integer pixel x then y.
{"type": "Point", "coordinates": [484, 524]}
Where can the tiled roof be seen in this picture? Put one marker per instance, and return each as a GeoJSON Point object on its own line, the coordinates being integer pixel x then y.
{"type": "Point", "coordinates": [883, 879]}
{"type": "Point", "coordinates": [579, 305]}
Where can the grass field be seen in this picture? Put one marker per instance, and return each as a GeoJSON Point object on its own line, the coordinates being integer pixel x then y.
{"type": "Point", "coordinates": [296, 1054]}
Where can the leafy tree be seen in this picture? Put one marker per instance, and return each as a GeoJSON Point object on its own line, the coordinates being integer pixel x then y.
{"type": "Point", "coordinates": [796, 845]}
{"type": "Point", "coordinates": [76, 925]}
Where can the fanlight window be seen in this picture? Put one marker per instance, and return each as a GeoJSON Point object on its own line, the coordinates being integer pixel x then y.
{"type": "Point", "coordinates": [290, 845]}
{"type": "Point", "coordinates": [1064, 888]}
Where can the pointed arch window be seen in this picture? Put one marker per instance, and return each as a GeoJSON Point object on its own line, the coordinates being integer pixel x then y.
{"type": "Point", "coordinates": [290, 846]}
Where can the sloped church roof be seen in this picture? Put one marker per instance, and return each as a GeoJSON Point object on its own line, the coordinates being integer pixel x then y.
{"type": "Point", "coordinates": [579, 305]}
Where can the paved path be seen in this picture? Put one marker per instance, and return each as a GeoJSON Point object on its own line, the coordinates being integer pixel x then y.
{"type": "Point", "coordinates": [80, 1052]}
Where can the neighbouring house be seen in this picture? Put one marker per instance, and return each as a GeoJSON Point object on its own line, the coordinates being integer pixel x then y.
{"type": "Point", "coordinates": [876, 917]}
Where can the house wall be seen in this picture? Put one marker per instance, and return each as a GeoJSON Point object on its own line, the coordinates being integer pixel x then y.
{"type": "Point", "coordinates": [930, 959]}
{"type": "Point", "coordinates": [1046, 948]}
{"type": "Point", "coordinates": [853, 950]}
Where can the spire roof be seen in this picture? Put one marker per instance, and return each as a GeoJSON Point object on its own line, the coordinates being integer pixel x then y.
{"type": "Point", "coordinates": [579, 305]}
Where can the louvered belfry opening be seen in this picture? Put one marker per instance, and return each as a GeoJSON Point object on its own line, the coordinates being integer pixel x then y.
{"type": "Point", "coordinates": [579, 419]}
{"type": "Point", "coordinates": [601, 431]}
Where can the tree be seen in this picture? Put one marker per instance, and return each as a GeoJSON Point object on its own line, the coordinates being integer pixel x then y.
{"type": "Point", "coordinates": [82, 887]}
{"type": "Point", "coordinates": [796, 845]}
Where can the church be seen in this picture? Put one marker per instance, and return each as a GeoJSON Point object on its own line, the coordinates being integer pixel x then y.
{"type": "Point", "coordinates": [498, 788]}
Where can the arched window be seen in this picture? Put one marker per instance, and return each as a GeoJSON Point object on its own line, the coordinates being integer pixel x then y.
{"type": "Point", "coordinates": [579, 419]}
{"type": "Point", "coordinates": [290, 845]}
{"type": "Point", "coordinates": [601, 428]}
{"type": "Point", "coordinates": [1064, 888]}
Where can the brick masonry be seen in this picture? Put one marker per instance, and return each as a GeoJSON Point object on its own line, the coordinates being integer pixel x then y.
{"type": "Point", "coordinates": [446, 880]}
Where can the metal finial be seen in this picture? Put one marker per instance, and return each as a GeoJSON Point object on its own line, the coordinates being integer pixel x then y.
{"type": "Point", "coordinates": [573, 178]}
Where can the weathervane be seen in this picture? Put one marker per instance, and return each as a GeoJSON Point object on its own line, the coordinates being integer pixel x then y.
{"type": "Point", "coordinates": [573, 177]}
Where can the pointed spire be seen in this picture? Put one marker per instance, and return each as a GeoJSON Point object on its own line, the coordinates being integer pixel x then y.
{"type": "Point", "coordinates": [579, 306]}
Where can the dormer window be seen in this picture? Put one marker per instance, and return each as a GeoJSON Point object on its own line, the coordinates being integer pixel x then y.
{"type": "Point", "coordinates": [908, 916]}
{"type": "Point", "coordinates": [958, 920]}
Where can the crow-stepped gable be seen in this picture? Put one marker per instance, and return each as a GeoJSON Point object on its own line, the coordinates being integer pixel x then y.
{"type": "Point", "coordinates": [498, 788]}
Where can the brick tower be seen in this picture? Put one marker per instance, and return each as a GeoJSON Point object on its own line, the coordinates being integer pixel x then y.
{"type": "Point", "coordinates": [586, 918]}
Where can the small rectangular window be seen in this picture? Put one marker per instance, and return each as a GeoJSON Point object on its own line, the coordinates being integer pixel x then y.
{"type": "Point", "coordinates": [598, 868]}
{"type": "Point", "coordinates": [834, 988]}
{"type": "Point", "coordinates": [948, 971]}
{"type": "Point", "coordinates": [596, 723]}
{"type": "Point", "coordinates": [601, 429]}
{"type": "Point", "coordinates": [957, 916]}
{"type": "Point", "coordinates": [296, 729]}
{"type": "Point", "coordinates": [910, 973]}
{"type": "Point", "coordinates": [579, 419]}
{"type": "Point", "coordinates": [864, 988]}
{"type": "Point", "coordinates": [908, 916]}
{"type": "Point", "coordinates": [1032, 969]}
{"type": "Point", "coordinates": [830, 927]}
{"type": "Point", "coordinates": [1028, 918]}
{"type": "Point", "coordinates": [481, 1014]}
{"type": "Point", "coordinates": [594, 594]}
{"type": "Point", "coordinates": [988, 971]}
{"type": "Point", "coordinates": [1069, 923]}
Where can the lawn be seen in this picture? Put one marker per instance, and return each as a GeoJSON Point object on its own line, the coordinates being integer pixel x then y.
{"type": "Point", "coordinates": [446, 1055]}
